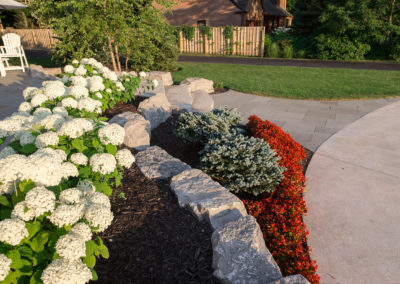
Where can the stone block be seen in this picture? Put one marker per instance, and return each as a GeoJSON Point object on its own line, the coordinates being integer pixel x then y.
{"type": "Point", "coordinates": [206, 198]}
{"type": "Point", "coordinates": [156, 163]}
{"type": "Point", "coordinates": [159, 89]}
{"type": "Point", "coordinates": [293, 279]}
{"type": "Point", "coordinates": [161, 76]}
{"type": "Point", "coordinates": [196, 84]}
{"type": "Point", "coordinates": [180, 97]}
{"type": "Point", "coordinates": [137, 132]}
{"type": "Point", "coordinates": [156, 110]}
{"type": "Point", "coordinates": [122, 118]}
{"type": "Point", "coordinates": [240, 254]}
{"type": "Point", "coordinates": [202, 101]}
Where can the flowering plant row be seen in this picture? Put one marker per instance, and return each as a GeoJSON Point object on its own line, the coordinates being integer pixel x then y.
{"type": "Point", "coordinates": [57, 173]}
{"type": "Point", "coordinates": [280, 212]}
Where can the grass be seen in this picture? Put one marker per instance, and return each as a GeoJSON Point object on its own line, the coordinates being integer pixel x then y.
{"type": "Point", "coordinates": [296, 82]}
{"type": "Point", "coordinates": [46, 62]}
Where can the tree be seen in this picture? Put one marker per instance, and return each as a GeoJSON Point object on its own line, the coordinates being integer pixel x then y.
{"type": "Point", "coordinates": [102, 29]}
{"type": "Point", "coordinates": [348, 29]}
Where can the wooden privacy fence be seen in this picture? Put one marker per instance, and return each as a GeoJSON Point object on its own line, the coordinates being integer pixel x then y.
{"type": "Point", "coordinates": [247, 41]}
{"type": "Point", "coordinates": [34, 38]}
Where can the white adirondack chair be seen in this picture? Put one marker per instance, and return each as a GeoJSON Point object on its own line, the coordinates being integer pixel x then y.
{"type": "Point", "coordinates": [13, 48]}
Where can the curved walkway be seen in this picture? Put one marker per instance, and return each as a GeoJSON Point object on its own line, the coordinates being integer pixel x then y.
{"type": "Point", "coordinates": [353, 198]}
{"type": "Point", "coordinates": [309, 122]}
{"type": "Point", "coordinates": [389, 66]}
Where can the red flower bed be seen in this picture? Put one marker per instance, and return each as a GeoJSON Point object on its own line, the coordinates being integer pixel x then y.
{"type": "Point", "coordinates": [280, 213]}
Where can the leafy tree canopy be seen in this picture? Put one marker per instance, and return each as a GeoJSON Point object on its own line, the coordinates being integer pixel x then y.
{"type": "Point", "coordinates": [110, 29]}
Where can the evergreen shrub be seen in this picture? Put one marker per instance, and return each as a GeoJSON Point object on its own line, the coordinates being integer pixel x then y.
{"type": "Point", "coordinates": [242, 164]}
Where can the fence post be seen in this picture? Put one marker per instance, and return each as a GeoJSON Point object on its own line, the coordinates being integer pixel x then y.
{"type": "Point", "coordinates": [205, 43]}
{"type": "Point", "coordinates": [51, 39]}
{"type": "Point", "coordinates": [262, 41]}
{"type": "Point", "coordinates": [34, 38]}
{"type": "Point", "coordinates": [180, 42]}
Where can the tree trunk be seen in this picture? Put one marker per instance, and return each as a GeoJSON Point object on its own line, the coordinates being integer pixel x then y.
{"type": "Point", "coordinates": [117, 57]}
{"type": "Point", "coordinates": [390, 18]}
{"type": "Point", "coordinates": [111, 53]}
{"type": "Point", "coordinates": [126, 63]}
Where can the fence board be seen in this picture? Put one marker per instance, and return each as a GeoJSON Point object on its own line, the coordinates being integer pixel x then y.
{"type": "Point", "coordinates": [34, 38]}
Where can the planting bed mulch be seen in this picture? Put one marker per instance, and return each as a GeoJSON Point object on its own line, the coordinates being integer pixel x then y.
{"type": "Point", "coordinates": [152, 239]}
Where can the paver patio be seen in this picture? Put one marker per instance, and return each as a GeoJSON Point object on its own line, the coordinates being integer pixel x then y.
{"type": "Point", "coordinates": [353, 198]}
{"type": "Point", "coordinates": [11, 88]}
{"type": "Point", "coordinates": [309, 122]}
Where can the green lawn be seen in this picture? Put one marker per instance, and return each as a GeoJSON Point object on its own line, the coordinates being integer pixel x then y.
{"type": "Point", "coordinates": [296, 82]}
{"type": "Point", "coordinates": [46, 62]}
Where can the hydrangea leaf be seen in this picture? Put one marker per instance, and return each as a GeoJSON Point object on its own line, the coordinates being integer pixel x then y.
{"type": "Point", "coordinates": [78, 144]}
{"type": "Point", "coordinates": [4, 201]}
{"type": "Point", "coordinates": [15, 256]}
{"type": "Point", "coordinates": [112, 149]}
{"type": "Point", "coordinates": [28, 149]}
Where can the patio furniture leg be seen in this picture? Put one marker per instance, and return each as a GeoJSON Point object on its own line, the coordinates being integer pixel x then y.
{"type": "Point", "coordinates": [22, 64]}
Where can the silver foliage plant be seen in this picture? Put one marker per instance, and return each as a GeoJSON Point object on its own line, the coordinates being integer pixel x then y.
{"type": "Point", "coordinates": [242, 164]}
{"type": "Point", "coordinates": [200, 127]}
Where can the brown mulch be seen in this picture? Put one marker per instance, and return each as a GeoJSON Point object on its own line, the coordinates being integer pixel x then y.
{"type": "Point", "coordinates": [152, 239]}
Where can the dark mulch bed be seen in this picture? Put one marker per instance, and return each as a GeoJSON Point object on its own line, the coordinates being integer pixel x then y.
{"type": "Point", "coordinates": [152, 239]}
{"type": "Point", "coordinates": [123, 107]}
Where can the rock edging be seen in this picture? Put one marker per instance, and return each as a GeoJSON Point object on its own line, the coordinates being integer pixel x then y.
{"type": "Point", "coordinates": [239, 251]}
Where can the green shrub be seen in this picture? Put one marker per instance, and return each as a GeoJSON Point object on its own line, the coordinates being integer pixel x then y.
{"type": "Point", "coordinates": [273, 50]}
{"type": "Point", "coordinates": [199, 127]}
{"type": "Point", "coordinates": [267, 45]}
{"type": "Point", "coordinates": [242, 164]}
{"type": "Point", "coordinates": [288, 51]}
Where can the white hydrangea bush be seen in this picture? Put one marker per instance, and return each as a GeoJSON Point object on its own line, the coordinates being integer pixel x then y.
{"type": "Point", "coordinates": [57, 173]}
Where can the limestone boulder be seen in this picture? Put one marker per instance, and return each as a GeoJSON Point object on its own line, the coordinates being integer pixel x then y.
{"type": "Point", "coordinates": [156, 163]}
{"type": "Point", "coordinates": [153, 90]}
{"type": "Point", "coordinates": [202, 101]}
{"type": "Point", "coordinates": [156, 109]}
{"type": "Point", "coordinates": [122, 118]}
{"type": "Point", "coordinates": [179, 97]}
{"type": "Point", "coordinates": [161, 76]}
{"type": "Point", "coordinates": [206, 199]}
{"type": "Point", "coordinates": [240, 254]}
{"type": "Point", "coordinates": [196, 84]}
{"type": "Point", "coordinates": [137, 132]}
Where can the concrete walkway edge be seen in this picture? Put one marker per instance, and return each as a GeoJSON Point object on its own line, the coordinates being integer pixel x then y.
{"type": "Point", "coordinates": [353, 196]}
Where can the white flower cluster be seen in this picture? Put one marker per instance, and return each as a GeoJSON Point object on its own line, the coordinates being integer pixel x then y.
{"type": "Point", "coordinates": [45, 167]}
{"type": "Point", "coordinates": [46, 139]}
{"type": "Point", "coordinates": [12, 231]}
{"type": "Point", "coordinates": [79, 159]}
{"type": "Point", "coordinates": [79, 92]}
{"type": "Point", "coordinates": [62, 271]}
{"type": "Point", "coordinates": [5, 265]}
{"type": "Point", "coordinates": [103, 163]}
{"type": "Point", "coordinates": [112, 133]}
{"type": "Point", "coordinates": [89, 105]}
{"type": "Point", "coordinates": [69, 69]}
{"type": "Point", "coordinates": [71, 247]}
{"type": "Point", "coordinates": [76, 128]}
{"type": "Point", "coordinates": [79, 81]}
{"type": "Point", "coordinates": [96, 84]}
{"type": "Point", "coordinates": [125, 158]}
{"type": "Point", "coordinates": [54, 89]}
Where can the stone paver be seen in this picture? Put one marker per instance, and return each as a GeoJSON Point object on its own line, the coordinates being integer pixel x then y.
{"type": "Point", "coordinates": [353, 198]}
{"type": "Point", "coordinates": [308, 122]}
{"type": "Point", "coordinates": [11, 88]}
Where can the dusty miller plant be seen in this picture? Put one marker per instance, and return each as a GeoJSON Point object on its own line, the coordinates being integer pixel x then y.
{"type": "Point", "coordinates": [242, 164]}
